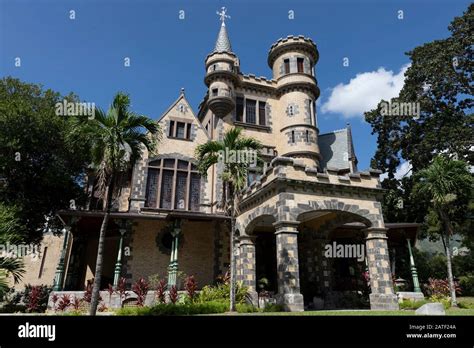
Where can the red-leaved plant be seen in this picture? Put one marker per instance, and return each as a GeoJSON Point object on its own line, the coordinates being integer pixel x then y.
{"type": "Point", "coordinates": [440, 288]}
{"type": "Point", "coordinates": [174, 296]}
{"type": "Point", "coordinates": [140, 288]}
{"type": "Point", "coordinates": [122, 289]}
{"type": "Point", "coordinates": [190, 285]}
{"type": "Point", "coordinates": [64, 302]}
{"type": "Point", "coordinates": [76, 303]}
{"type": "Point", "coordinates": [54, 299]}
{"type": "Point", "coordinates": [102, 307]}
{"type": "Point", "coordinates": [33, 299]}
{"type": "Point", "coordinates": [160, 291]}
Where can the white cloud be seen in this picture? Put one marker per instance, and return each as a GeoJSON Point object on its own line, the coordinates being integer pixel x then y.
{"type": "Point", "coordinates": [403, 170]}
{"type": "Point", "coordinates": [364, 91]}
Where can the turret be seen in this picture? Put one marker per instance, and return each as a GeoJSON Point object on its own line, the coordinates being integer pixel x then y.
{"type": "Point", "coordinates": [222, 68]}
{"type": "Point", "coordinates": [292, 60]}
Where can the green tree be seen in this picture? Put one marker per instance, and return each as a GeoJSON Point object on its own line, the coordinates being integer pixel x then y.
{"type": "Point", "coordinates": [118, 138]}
{"type": "Point", "coordinates": [41, 164]}
{"type": "Point", "coordinates": [448, 185]}
{"type": "Point", "coordinates": [440, 79]}
{"type": "Point", "coordinates": [234, 177]}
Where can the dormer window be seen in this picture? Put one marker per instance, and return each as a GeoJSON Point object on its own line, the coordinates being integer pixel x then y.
{"type": "Point", "coordinates": [180, 130]}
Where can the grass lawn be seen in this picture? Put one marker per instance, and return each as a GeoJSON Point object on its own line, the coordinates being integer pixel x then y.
{"type": "Point", "coordinates": [468, 301]}
{"type": "Point", "coordinates": [450, 312]}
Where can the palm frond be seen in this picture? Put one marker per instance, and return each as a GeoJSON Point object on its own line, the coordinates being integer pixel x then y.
{"type": "Point", "coordinates": [13, 267]}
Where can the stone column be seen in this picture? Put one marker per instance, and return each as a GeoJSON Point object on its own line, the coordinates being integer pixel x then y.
{"type": "Point", "coordinates": [248, 266]}
{"type": "Point", "coordinates": [287, 266]}
{"type": "Point", "coordinates": [238, 262]}
{"type": "Point", "coordinates": [382, 296]}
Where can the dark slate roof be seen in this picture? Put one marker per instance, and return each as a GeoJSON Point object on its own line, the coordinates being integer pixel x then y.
{"type": "Point", "coordinates": [223, 42]}
{"type": "Point", "coordinates": [337, 149]}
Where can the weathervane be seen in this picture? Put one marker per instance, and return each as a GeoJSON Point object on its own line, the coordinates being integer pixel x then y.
{"type": "Point", "coordinates": [223, 15]}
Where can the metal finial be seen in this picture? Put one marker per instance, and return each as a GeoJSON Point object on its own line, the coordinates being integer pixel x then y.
{"type": "Point", "coordinates": [222, 14]}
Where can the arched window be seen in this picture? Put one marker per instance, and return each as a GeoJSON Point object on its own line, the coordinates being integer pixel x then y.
{"type": "Point", "coordinates": [173, 184]}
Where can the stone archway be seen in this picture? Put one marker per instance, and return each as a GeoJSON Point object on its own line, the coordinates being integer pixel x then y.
{"type": "Point", "coordinates": [288, 209]}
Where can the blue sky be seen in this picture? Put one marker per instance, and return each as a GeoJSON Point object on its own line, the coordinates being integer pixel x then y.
{"type": "Point", "coordinates": [86, 55]}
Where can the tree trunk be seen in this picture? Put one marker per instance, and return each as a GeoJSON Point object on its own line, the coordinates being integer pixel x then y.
{"type": "Point", "coordinates": [100, 251]}
{"type": "Point", "coordinates": [232, 258]}
{"type": "Point", "coordinates": [448, 231]}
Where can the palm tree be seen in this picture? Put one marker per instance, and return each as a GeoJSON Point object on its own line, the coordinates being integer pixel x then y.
{"type": "Point", "coordinates": [443, 182]}
{"type": "Point", "coordinates": [117, 141]}
{"type": "Point", "coordinates": [233, 175]}
{"type": "Point", "coordinates": [11, 231]}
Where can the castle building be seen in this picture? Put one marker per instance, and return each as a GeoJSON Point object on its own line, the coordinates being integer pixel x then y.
{"type": "Point", "coordinates": [308, 194]}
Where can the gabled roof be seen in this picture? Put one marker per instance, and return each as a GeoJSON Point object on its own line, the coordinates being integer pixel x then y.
{"type": "Point", "coordinates": [182, 98]}
{"type": "Point", "coordinates": [337, 150]}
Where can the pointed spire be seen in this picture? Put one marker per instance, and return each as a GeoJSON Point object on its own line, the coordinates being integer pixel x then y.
{"type": "Point", "coordinates": [223, 42]}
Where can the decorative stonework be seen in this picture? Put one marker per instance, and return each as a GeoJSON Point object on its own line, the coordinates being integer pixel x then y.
{"type": "Point", "coordinates": [382, 296]}
{"type": "Point", "coordinates": [288, 266]}
{"type": "Point", "coordinates": [292, 109]}
{"type": "Point", "coordinates": [247, 264]}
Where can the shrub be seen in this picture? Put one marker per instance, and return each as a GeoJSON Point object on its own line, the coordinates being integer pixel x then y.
{"type": "Point", "coordinates": [467, 285]}
{"type": "Point", "coordinates": [245, 308]}
{"type": "Point", "coordinates": [160, 291]}
{"type": "Point", "coordinates": [272, 307]}
{"type": "Point", "coordinates": [76, 303]}
{"type": "Point", "coordinates": [140, 288]}
{"type": "Point", "coordinates": [174, 296]}
{"type": "Point", "coordinates": [190, 285]}
{"type": "Point", "coordinates": [102, 307]}
{"type": "Point", "coordinates": [439, 288]}
{"type": "Point", "coordinates": [167, 309]}
{"type": "Point", "coordinates": [35, 297]}
{"type": "Point", "coordinates": [122, 289]}
{"type": "Point", "coordinates": [64, 302]}
{"type": "Point", "coordinates": [221, 292]}
{"type": "Point", "coordinates": [410, 304]}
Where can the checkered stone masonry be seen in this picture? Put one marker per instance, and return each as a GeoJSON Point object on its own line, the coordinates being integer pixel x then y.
{"type": "Point", "coordinates": [247, 266]}
{"type": "Point", "coordinates": [382, 296]}
{"type": "Point", "coordinates": [287, 266]}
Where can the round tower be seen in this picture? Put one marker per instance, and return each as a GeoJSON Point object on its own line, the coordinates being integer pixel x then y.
{"type": "Point", "coordinates": [222, 68]}
{"type": "Point", "coordinates": [292, 60]}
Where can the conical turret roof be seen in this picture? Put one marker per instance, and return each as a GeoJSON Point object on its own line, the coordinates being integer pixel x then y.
{"type": "Point", "coordinates": [223, 42]}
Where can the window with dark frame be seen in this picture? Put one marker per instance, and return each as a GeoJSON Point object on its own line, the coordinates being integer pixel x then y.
{"type": "Point", "coordinates": [179, 186]}
{"type": "Point", "coordinates": [300, 64]}
{"type": "Point", "coordinates": [250, 111]}
{"type": "Point", "coordinates": [262, 117]}
{"type": "Point", "coordinates": [171, 130]}
{"type": "Point", "coordinates": [293, 136]}
{"type": "Point", "coordinates": [287, 66]}
{"type": "Point", "coordinates": [239, 109]}
{"type": "Point", "coordinates": [307, 136]}
{"type": "Point", "coordinates": [180, 126]}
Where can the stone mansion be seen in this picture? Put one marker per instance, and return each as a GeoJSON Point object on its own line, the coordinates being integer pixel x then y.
{"type": "Point", "coordinates": [309, 193]}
